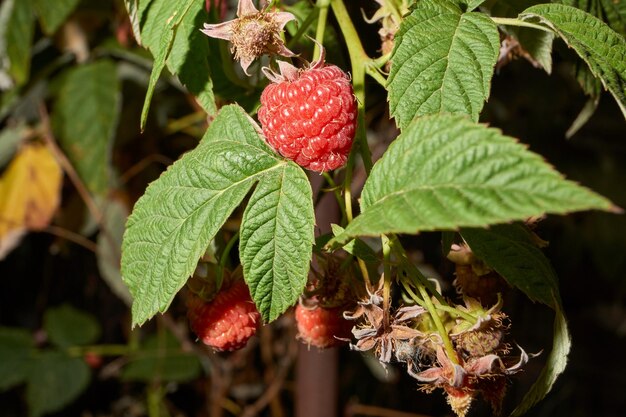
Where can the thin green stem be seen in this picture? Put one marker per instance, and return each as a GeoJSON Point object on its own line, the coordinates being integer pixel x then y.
{"type": "Point", "coordinates": [510, 21]}
{"type": "Point", "coordinates": [322, 5]}
{"type": "Point", "coordinates": [154, 399]}
{"type": "Point", "coordinates": [222, 264]}
{"type": "Point", "coordinates": [358, 57]}
{"type": "Point", "coordinates": [381, 60]}
{"type": "Point", "coordinates": [335, 188]}
{"type": "Point", "coordinates": [447, 343]}
{"type": "Point", "coordinates": [387, 280]}
{"type": "Point", "coordinates": [347, 187]}
{"type": "Point", "coordinates": [412, 271]}
{"type": "Point", "coordinates": [376, 75]}
{"type": "Point", "coordinates": [303, 28]}
{"type": "Point", "coordinates": [455, 312]}
{"type": "Point", "coordinates": [413, 296]}
{"type": "Point", "coordinates": [395, 11]}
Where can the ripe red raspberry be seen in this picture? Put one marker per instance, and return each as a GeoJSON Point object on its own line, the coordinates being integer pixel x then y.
{"type": "Point", "coordinates": [322, 327]}
{"type": "Point", "coordinates": [227, 321]}
{"type": "Point", "coordinates": [309, 115]}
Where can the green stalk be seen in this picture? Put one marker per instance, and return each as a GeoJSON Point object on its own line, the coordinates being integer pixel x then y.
{"type": "Point", "coordinates": [509, 21]}
{"type": "Point", "coordinates": [412, 271]}
{"type": "Point", "coordinates": [358, 57]}
{"type": "Point", "coordinates": [413, 296]}
{"type": "Point", "coordinates": [373, 72]}
{"type": "Point", "coordinates": [302, 29]}
{"type": "Point", "coordinates": [387, 278]}
{"type": "Point", "coordinates": [455, 312]}
{"type": "Point", "coordinates": [222, 264]}
{"type": "Point", "coordinates": [447, 343]}
{"type": "Point", "coordinates": [322, 5]}
{"type": "Point", "coordinates": [335, 188]}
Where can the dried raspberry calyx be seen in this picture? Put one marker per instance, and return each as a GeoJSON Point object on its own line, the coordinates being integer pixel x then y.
{"type": "Point", "coordinates": [309, 115]}
{"type": "Point", "coordinates": [253, 33]}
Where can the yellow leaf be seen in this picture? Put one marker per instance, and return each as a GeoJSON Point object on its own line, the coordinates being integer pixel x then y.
{"type": "Point", "coordinates": [29, 194]}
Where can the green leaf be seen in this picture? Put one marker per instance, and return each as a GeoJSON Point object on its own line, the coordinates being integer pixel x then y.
{"type": "Point", "coordinates": [132, 8]}
{"type": "Point", "coordinates": [16, 347]}
{"type": "Point", "coordinates": [67, 326]}
{"type": "Point", "coordinates": [445, 172]}
{"type": "Point", "coordinates": [54, 381]}
{"type": "Point", "coordinates": [357, 247]}
{"type": "Point", "coordinates": [472, 4]}
{"type": "Point", "coordinates": [180, 213]}
{"type": "Point", "coordinates": [85, 117]}
{"type": "Point", "coordinates": [596, 43]}
{"type": "Point", "coordinates": [613, 12]}
{"type": "Point", "coordinates": [583, 117]}
{"type": "Point", "coordinates": [554, 367]}
{"type": "Point", "coordinates": [10, 138]}
{"type": "Point", "coordinates": [442, 61]}
{"type": "Point", "coordinates": [109, 244]}
{"type": "Point", "coordinates": [447, 240]}
{"type": "Point", "coordinates": [537, 43]}
{"type": "Point", "coordinates": [277, 239]}
{"type": "Point", "coordinates": [52, 14]}
{"type": "Point", "coordinates": [161, 359]}
{"type": "Point", "coordinates": [17, 27]}
{"type": "Point", "coordinates": [170, 31]}
{"type": "Point", "coordinates": [511, 251]}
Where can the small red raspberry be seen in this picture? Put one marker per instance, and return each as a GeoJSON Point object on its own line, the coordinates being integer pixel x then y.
{"type": "Point", "coordinates": [309, 115]}
{"type": "Point", "coordinates": [322, 327]}
{"type": "Point", "coordinates": [227, 321]}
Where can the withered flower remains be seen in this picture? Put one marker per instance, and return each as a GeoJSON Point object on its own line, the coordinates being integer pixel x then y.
{"type": "Point", "coordinates": [253, 33]}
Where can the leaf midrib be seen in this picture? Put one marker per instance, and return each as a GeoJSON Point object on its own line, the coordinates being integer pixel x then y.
{"type": "Point", "coordinates": [436, 187]}
{"type": "Point", "coordinates": [176, 230]}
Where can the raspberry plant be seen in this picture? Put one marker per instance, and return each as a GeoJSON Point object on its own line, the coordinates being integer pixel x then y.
{"type": "Point", "coordinates": [444, 171]}
{"type": "Point", "coordinates": [288, 96]}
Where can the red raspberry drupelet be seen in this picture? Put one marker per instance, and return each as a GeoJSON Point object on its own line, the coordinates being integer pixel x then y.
{"type": "Point", "coordinates": [227, 321]}
{"type": "Point", "coordinates": [322, 327]}
{"type": "Point", "coordinates": [309, 116]}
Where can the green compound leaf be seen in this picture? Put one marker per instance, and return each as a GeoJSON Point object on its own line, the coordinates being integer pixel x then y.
{"type": "Point", "coordinates": [596, 43]}
{"type": "Point", "coordinates": [67, 326]}
{"type": "Point", "coordinates": [511, 251]}
{"type": "Point", "coordinates": [443, 61]}
{"type": "Point", "coordinates": [16, 347]}
{"type": "Point", "coordinates": [445, 172]}
{"type": "Point", "coordinates": [17, 28]}
{"type": "Point", "coordinates": [180, 213]}
{"type": "Point", "coordinates": [555, 364]}
{"type": "Point", "coordinates": [277, 239]}
{"type": "Point", "coordinates": [85, 117]}
{"type": "Point", "coordinates": [54, 381]}
{"type": "Point", "coordinates": [52, 14]}
{"type": "Point", "coordinates": [170, 31]}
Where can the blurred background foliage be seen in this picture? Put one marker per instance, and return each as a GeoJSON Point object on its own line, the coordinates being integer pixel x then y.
{"type": "Point", "coordinates": [72, 85]}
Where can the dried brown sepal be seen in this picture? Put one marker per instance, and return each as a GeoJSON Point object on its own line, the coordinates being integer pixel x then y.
{"type": "Point", "coordinates": [253, 33]}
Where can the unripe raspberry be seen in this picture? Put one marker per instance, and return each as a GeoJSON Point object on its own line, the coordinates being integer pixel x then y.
{"type": "Point", "coordinates": [227, 321]}
{"type": "Point", "coordinates": [309, 115]}
{"type": "Point", "coordinates": [322, 327]}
